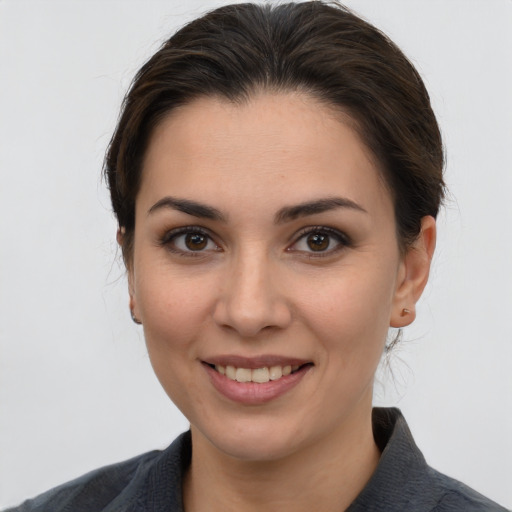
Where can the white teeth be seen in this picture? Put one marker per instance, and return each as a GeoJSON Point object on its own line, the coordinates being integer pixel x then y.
{"type": "Point", "coordinates": [230, 372]}
{"type": "Point", "coordinates": [243, 375]}
{"type": "Point", "coordinates": [276, 372]}
{"type": "Point", "coordinates": [259, 375]}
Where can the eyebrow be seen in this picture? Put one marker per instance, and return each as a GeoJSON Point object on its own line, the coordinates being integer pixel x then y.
{"type": "Point", "coordinates": [193, 208]}
{"type": "Point", "coordinates": [289, 213]}
{"type": "Point", "coordinates": [285, 214]}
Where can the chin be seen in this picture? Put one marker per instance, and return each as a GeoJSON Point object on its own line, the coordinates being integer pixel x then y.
{"type": "Point", "coordinates": [252, 441]}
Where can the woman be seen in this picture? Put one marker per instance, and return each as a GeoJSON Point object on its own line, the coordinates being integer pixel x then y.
{"type": "Point", "coordinates": [276, 173]}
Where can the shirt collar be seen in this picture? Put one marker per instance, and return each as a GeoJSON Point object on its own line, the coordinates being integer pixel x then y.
{"type": "Point", "coordinates": [401, 465]}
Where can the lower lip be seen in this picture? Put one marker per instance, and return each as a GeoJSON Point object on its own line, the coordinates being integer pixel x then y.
{"type": "Point", "coordinates": [254, 393]}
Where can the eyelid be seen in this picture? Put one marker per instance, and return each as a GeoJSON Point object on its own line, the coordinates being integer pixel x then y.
{"type": "Point", "coordinates": [166, 239]}
{"type": "Point", "coordinates": [342, 238]}
{"type": "Point", "coordinates": [172, 233]}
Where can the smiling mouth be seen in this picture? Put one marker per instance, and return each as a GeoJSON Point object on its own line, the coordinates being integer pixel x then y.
{"type": "Point", "coordinates": [257, 375]}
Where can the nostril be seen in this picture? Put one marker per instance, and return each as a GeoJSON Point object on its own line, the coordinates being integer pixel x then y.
{"type": "Point", "coordinates": [251, 318]}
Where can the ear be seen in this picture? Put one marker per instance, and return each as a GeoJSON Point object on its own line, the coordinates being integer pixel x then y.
{"type": "Point", "coordinates": [129, 272]}
{"type": "Point", "coordinates": [413, 274]}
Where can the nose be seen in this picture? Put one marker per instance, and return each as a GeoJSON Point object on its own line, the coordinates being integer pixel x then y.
{"type": "Point", "coordinates": [251, 298]}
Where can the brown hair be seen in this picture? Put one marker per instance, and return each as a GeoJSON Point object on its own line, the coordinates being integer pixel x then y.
{"type": "Point", "coordinates": [319, 48]}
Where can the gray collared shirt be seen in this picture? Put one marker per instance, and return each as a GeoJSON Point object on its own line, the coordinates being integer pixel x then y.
{"type": "Point", "coordinates": [152, 482]}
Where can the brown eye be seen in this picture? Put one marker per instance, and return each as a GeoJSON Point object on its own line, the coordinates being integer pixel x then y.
{"type": "Point", "coordinates": [189, 241]}
{"type": "Point", "coordinates": [196, 241]}
{"type": "Point", "coordinates": [318, 241]}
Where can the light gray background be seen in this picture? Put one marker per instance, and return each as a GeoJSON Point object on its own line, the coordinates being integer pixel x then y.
{"type": "Point", "coordinates": [76, 387]}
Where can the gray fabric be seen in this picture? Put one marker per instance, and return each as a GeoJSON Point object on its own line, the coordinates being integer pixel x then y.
{"type": "Point", "coordinates": [152, 482]}
{"type": "Point", "coordinates": [404, 482]}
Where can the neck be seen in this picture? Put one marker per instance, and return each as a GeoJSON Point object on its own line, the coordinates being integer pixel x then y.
{"type": "Point", "coordinates": [324, 476]}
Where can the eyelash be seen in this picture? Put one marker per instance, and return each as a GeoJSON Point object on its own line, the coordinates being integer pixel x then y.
{"type": "Point", "coordinates": [342, 240]}
{"type": "Point", "coordinates": [171, 236]}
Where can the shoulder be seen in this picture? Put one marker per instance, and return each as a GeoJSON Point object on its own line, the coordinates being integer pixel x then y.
{"type": "Point", "coordinates": [127, 485]}
{"type": "Point", "coordinates": [403, 481]}
{"type": "Point", "coordinates": [455, 496]}
{"type": "Point", "coordinates": [94, 490]}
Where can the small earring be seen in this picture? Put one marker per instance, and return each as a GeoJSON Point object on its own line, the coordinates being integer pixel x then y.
{"type": "Point", "coordinates": [134, 318]}
{"type": "Point", "coordinates": [405, 312]}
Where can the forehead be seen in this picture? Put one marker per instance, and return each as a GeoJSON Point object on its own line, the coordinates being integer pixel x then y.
{"type": "Point", "coordinates": [287, 145]}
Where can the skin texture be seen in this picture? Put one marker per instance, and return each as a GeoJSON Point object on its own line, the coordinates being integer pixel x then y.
{"type": "Point", "coordinates": [256, 288]}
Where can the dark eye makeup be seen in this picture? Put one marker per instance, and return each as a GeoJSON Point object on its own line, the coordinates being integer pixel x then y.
{"type": "Point", "coordinates": [320, 241]}
{"type": "Point", "coordinates": [189, 241]}
{"type": "Point", "coordinates": [314, 241]}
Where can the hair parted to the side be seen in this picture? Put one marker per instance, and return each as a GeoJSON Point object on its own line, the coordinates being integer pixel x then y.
{"type": "Point", "coordinates": [318, 48]}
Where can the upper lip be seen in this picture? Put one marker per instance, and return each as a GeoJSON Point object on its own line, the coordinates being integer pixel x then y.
{"type": "Point", "coordinates": [252, 363]}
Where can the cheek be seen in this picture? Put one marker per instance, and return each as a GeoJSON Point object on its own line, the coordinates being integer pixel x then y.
{"type": "Point", "coordinates": [174, 310]}
{"type": "Point", "coordinates": [350, 314]}
{"type": "Point", "coordinates": [174, 314]}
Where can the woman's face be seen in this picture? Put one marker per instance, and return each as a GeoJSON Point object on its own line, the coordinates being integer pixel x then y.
{"type": "Point", "coordinates": [265, 243]}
